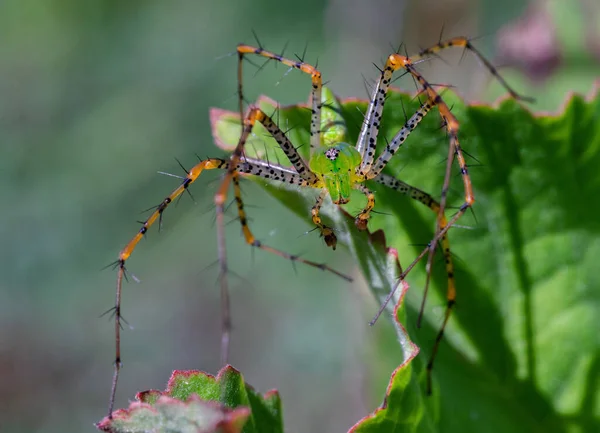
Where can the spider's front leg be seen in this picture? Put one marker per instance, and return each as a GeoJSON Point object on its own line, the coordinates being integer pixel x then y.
{"type": "Point", "coordinates": [362, 219]}
{"type": "Point", "coordinates": [326, 232]}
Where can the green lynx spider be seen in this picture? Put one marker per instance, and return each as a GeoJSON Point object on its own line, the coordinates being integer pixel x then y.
{"type": "Point", "coordinates": [335, 168]}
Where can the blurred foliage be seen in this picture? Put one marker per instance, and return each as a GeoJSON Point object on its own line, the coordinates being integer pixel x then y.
{"type": "Point", "coordinates": [96, 97]}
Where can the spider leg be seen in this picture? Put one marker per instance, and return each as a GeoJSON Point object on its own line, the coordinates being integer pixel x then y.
{"type": "Point", "coordinates": [427, 200]}
{"type": "Point", "coordinates": [288, 148]}
{"type": "Point", "coordinates": [317, 86]}
{"type": "Point", "coordinates": [326, 232]}
{"type": "Point", "coordinates": [466, 44]}
{"type": "Point", "coordinates": [125, 253]}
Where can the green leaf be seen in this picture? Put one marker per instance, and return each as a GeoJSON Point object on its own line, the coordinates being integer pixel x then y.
{"type": "Point", "coordinates": [171, 415]}
{"type": "Point", "coordinates": [522, 349]}
{"type": "Point", "coordinates": [403, 407]}
{"type": "Point", "coordinates": [198, 401]}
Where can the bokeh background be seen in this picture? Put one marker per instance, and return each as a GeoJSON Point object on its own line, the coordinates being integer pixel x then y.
{"type": "Point", "coordinates": [97, 96]}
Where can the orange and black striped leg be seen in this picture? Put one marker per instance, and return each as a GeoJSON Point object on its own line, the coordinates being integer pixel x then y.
{"type": "Point", "coordinates": [393, 63]}
{"type": "Point", "coordinates": [326, 232]}
{"type": "Point", "coordinates": [317, 85]}
{"type": "Point", "coordinates": [362, 219]}
{"type": "Point", "coordinates": [191, 176]}
{"type": "Point", "coordinates": [427, 200]}
{"type": "Point", "coordinates": [465, 43]}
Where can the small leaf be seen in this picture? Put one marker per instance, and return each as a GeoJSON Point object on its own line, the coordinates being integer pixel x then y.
{"type": "Point", "coordinates": [195, 398]}
{"type": "Point", "coordinates": [168, 415]}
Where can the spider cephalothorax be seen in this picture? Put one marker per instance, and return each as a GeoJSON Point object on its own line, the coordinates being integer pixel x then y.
{"type": "Point", "coordinates": [336, 166]}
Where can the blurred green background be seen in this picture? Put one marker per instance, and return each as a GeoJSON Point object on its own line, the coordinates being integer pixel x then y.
{"type": "Point", "coordinates": [97, 96]}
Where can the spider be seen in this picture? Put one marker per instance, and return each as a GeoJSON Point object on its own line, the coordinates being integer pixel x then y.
{"type": "Point", "coordinates": [334, 169]}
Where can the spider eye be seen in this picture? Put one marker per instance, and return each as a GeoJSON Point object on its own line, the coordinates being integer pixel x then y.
{"type": "Point", "coordinates": [340, 158]}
